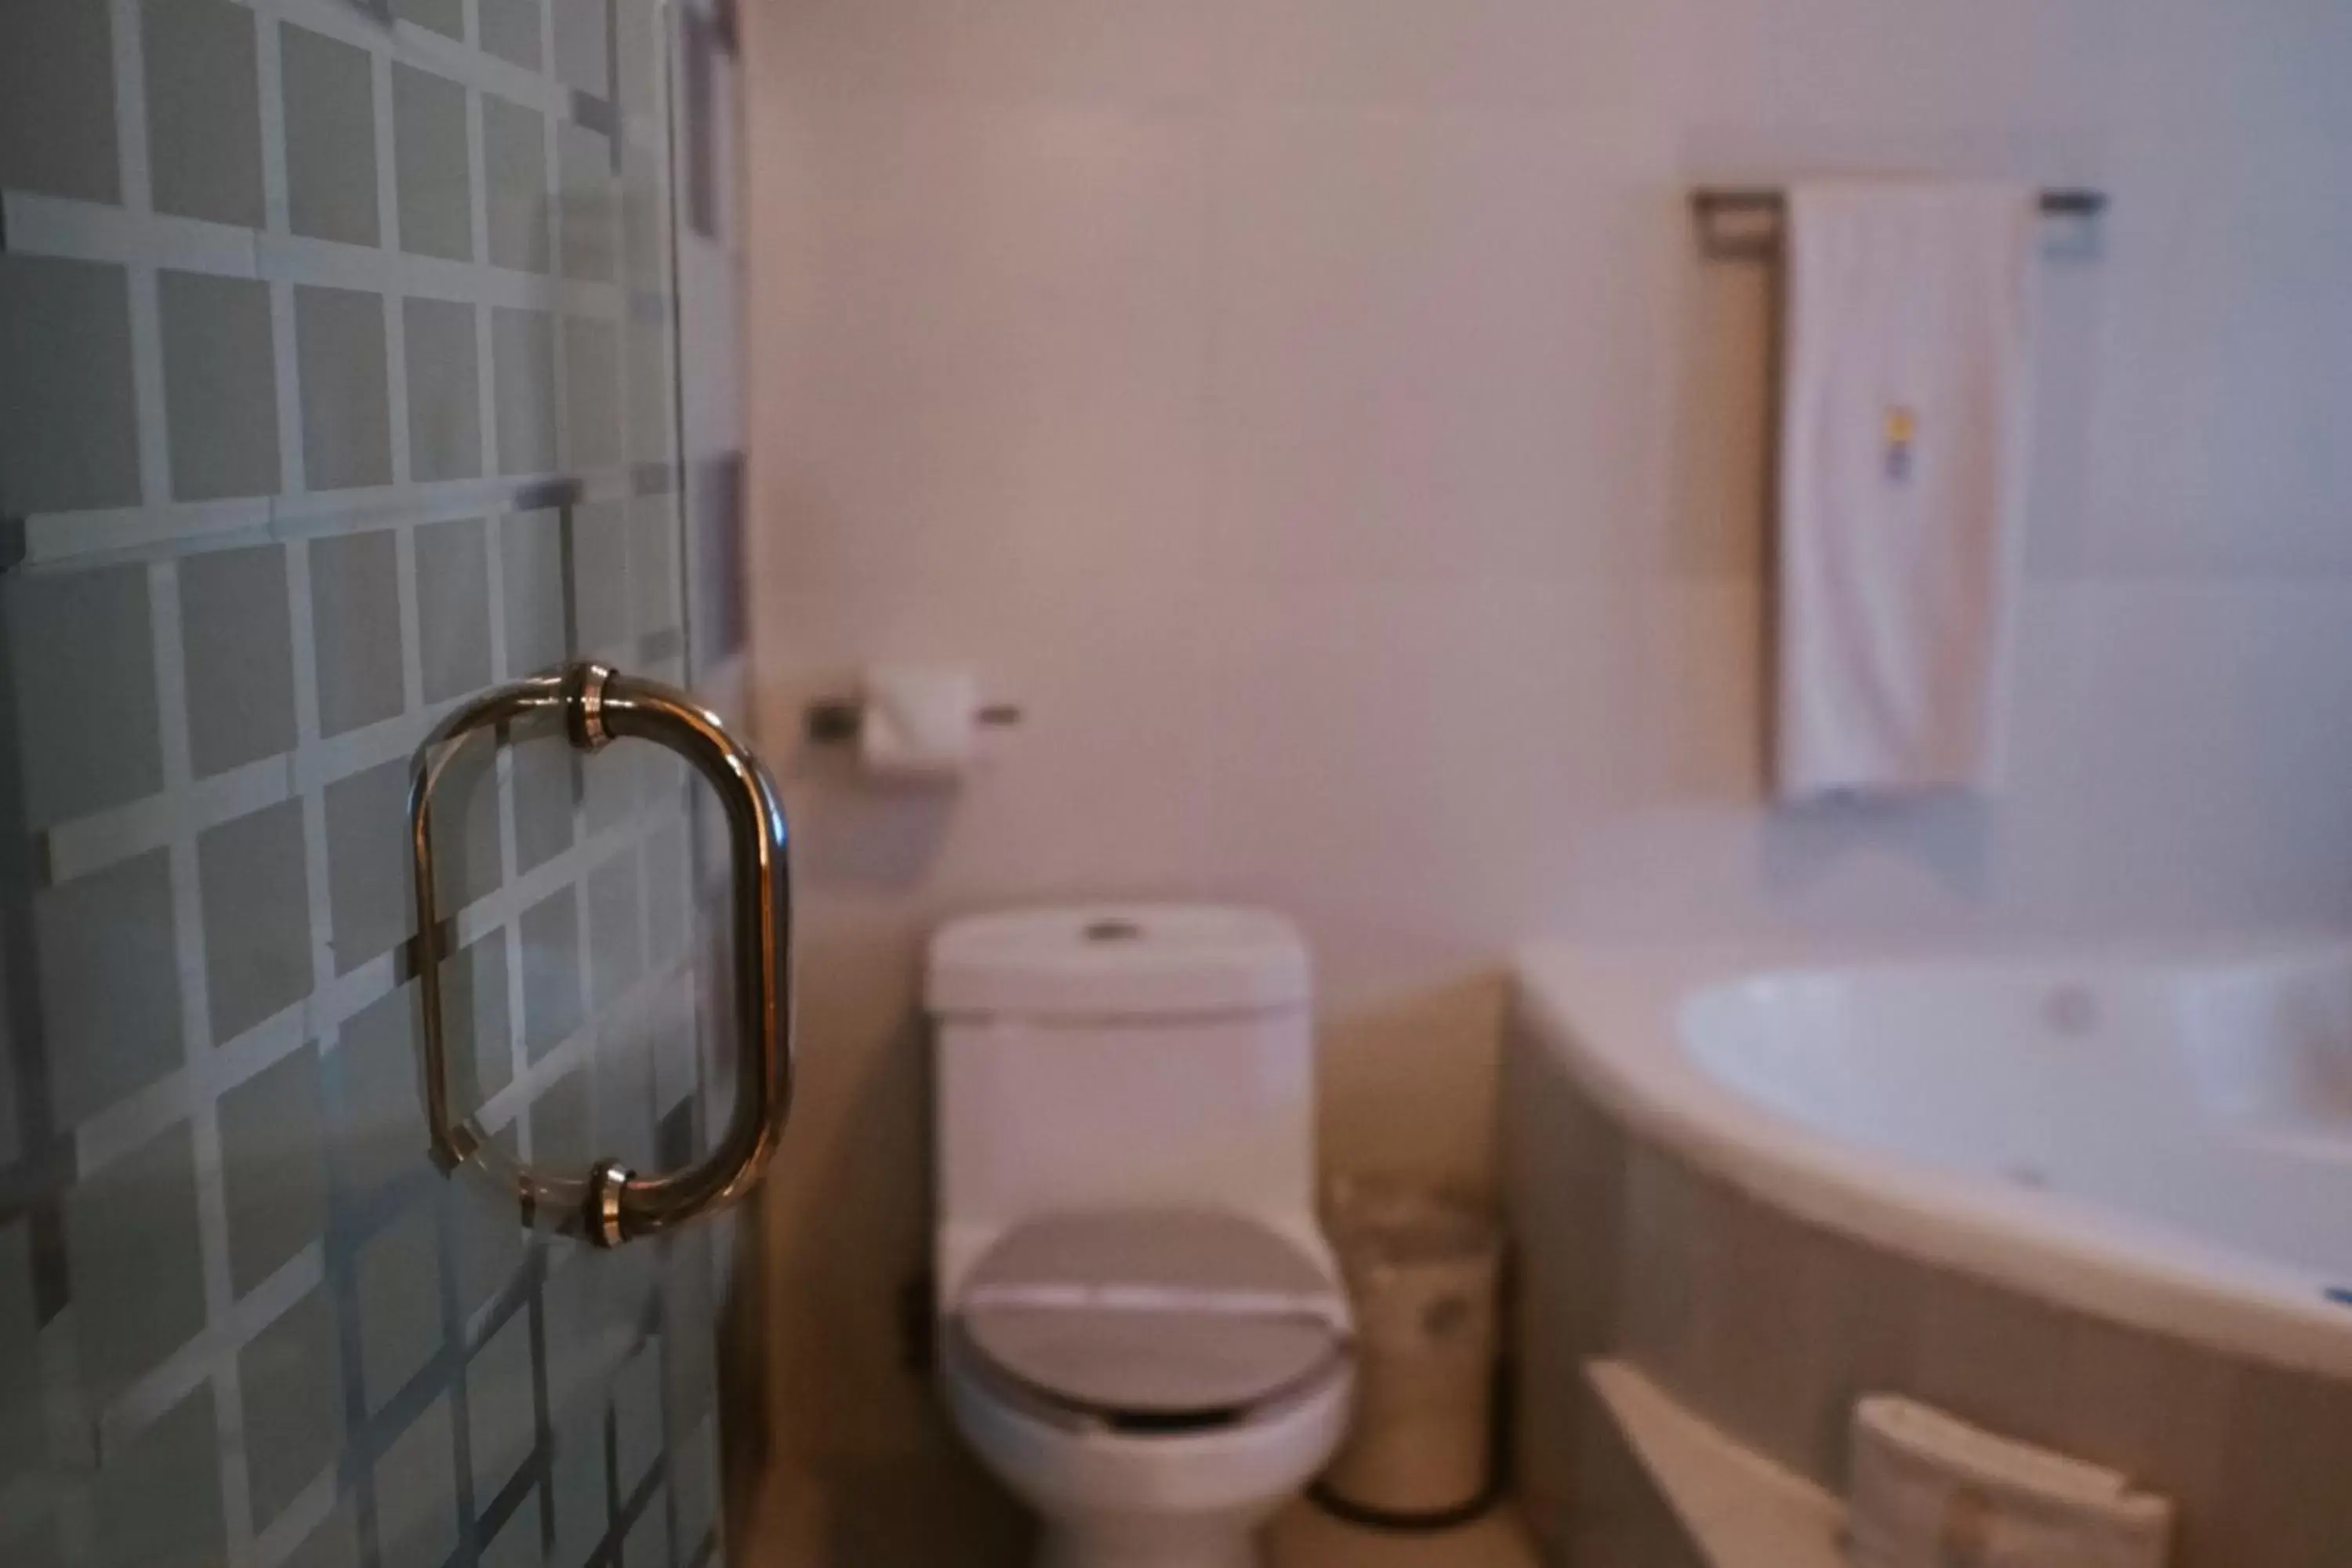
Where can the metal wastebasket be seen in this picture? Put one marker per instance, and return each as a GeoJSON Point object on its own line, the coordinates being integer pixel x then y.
{"type": "Point", "coordinates": [1424, 1268]}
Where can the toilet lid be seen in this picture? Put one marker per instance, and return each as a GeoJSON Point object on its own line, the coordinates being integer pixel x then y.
{"type": "Point", "coordinates": [1166, 1313]}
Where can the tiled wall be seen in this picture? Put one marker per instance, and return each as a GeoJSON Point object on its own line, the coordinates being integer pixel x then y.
{"type": "Point", "coordinates": [1318, 415]}
{"type": "Point", "coordinates": [335, 385]}
{"type": "Point", "coordinates": [1771, 1328]}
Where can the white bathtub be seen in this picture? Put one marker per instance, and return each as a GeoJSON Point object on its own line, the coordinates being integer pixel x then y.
{"type": "Point", "coordinates": [2161, 1140]}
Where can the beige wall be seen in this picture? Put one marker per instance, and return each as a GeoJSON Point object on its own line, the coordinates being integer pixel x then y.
{"type": "Point", "coordinates": [1316, 414]}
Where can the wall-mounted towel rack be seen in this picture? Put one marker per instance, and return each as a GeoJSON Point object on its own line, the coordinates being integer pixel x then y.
{"type": "Point", "coordinates": [1712, 204]}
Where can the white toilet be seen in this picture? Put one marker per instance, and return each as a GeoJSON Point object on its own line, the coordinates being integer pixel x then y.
{"type": "Point", "coordinates": [1142, 1330]}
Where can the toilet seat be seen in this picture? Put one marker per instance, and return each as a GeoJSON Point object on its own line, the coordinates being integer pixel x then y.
{"type": "Point", "coordinates": [1171, 1317]}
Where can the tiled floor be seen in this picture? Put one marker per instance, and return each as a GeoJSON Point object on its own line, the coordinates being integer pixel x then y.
{"type": "Point", "coordinates": [1306, 1537]}
{"type": "Point", "coordinates": [798, 1529]}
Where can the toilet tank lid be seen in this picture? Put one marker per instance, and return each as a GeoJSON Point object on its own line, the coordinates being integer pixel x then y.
{"type": "Point", "coordinates": [1117, 960]}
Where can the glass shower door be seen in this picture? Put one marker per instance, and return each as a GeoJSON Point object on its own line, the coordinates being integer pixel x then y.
{"type": "Point", "coordinates": [340, 349]}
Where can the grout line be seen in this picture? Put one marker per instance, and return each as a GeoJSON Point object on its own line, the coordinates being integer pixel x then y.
{"type": "Point", "coordinates": [148, 392]}
{"type": "Point", "coordinates": [296, 1520]}
{"type": "Point", "coordinates": [485, 390]}
{"type": "Point", "coordinates": [63, 227]}
{"type": "Point", "coordinates": [455, 1388]}
{"type": "Point", "coordinates": [233, 1322]}
{"type": "Point", "coordinates": [558, 390]}
{"type": "Point", "coordinates": [160, 1389]}
{"type": "Point", "coordinates": [154, 823]}
{"type": "Point", "coordinates": [138, 207]}
{"type": "Point", "coordinates": [509, 853]}
{"type": "Point", "coordinates": [397, 406]}
{"type": "Point", "coordinates": [187, 907]}
{"type": "Point", "coordinates": [191, 1093]}
{"type": "Point", "coordinates": [410, 599]}
{"type": "Point", "coordinates": [132, 1122]}
{"type": "Point", "coordinates": [137, 533]}
{"type": "Point", "coordinates": [485, 315]}
{"type": "Point", "coordinates": [445, 57]}
{"type": "Point", "coordinates": [387, 153]}
{"type": "Point", "coordinates": [130, 108]}
{"type": "Point", "coordinates": [286, 353]}
{"type": "Point", "coordinates": [547, 71]}
{"type": "Point", "coordinates": [236, 1468]}
{"type": "Point", "coordinates": [277, 200]}
{"type": "Point", "coordinates": [311, 789]}
{"type": "Point", "coordinates": [478, 177]}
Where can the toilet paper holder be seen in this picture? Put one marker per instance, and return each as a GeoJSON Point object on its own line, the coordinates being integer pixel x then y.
{"type": "Point", "coordinates": [837, 721]}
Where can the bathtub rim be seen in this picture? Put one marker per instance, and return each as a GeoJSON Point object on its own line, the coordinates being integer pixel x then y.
{"type": "Point", "coordinates": [1609, 1016]}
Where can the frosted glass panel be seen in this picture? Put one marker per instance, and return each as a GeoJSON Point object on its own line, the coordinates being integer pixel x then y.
{"type": "Point", "coordinates": [337, 382]}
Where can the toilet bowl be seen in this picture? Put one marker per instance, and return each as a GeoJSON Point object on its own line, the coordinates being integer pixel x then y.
{"type": "Point", "coordinates": [1157, 1497]}
{"type": "Point", "coordinates": [1142, 1332]}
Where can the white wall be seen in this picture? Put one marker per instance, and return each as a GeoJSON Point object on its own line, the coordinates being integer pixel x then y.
{"type": "Point", "coordinates": [1318, 414]}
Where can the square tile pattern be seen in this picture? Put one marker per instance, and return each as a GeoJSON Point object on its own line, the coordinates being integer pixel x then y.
{"type": "Point", "coordinates": [159, 1500]}
{"type": "Point", "coordinates": [330, 106]}
{"type": "Point", "coordinates": [444, 16]}
{"type": "Point", "coordinates": [356, 633]}
{"type": "Point", "coordinates": [470, 825]}
{"type": "Point", "coordinates": [296, 1417]}
{"type": "Point", "coordinates": [367, 857]}
{"type": "Point", "coordinates": [203, 109]}
{"type": "Point", "coordinates": [434, 172]}
{"type": "Point", "coordinates": [416, 1489]}
{"type": "Point", "coordinates": [132, 1249]}
{"type": "Point", "coordinates": [220, 386]}
{"type": "Point", "coordinates": [346, 400]}
{"type": "Point", "coordinates": [522, 359]}
{"type": "Point", "coordinates": [107, 953]}
{"type": "Point", "coordinates": [538, 630]}
{"type": "Point", "coordinates": [381, 1121]}
{"type": "Point", "coordinates": [235, 623]}
{"type": "Point", "coordinates": [271, 415]}
{"type": "Point", "coordinates": [82, 656]}
{"type": "Point", "coordinates": [256, 898]}
{"type": "Point", "coordinates": [514, 141]}
{"type": "Point", "coordinates": [56, 102]}
{"type": "Point", "coordinates": [511, 30]}
{"type": "Point", "coordinates": [273, 1166]}
{"type": "Point", "coordinates": [546, 796]}
{"type": "Point", "coordinates": [68, 415]}
{"type": "Point", "coordinates": [335, 1543]}
{"type": "Point", "coordinates": [498, 1395]}
{"type": "Point", "coordinates": [400, 1305]}
{"type": "Point", "coordinates": [587, 204]}
{"type": "Point", "coordinates": [445, 407]}
{"type": "Point", "coordinates": [453, 593]}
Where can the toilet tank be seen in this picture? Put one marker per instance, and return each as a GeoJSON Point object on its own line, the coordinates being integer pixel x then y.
{"type": "Point", "coordinates": [1119, 1057]}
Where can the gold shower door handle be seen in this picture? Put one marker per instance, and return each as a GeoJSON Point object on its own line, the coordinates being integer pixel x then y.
{"type": "Point", "coordinates": [611, 1204]}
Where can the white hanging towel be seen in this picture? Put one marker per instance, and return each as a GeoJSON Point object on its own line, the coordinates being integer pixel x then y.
{"type": "Point", "coordinates": [1928, 1491]}
{"type": "Point", "coordinates": [1903, 454]}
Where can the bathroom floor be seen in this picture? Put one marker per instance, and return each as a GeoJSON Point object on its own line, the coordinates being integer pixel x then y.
{"type": "Point", "coordinates": [1306, 1537]}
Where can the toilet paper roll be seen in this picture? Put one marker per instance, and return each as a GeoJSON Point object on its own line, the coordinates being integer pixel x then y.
{"type": "Point", "coordinates": [921, 721]}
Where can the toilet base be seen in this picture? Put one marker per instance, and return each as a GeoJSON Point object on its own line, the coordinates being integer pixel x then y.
{"type": "Point", "coordinates": [1151, 1544]}
{"type": "Point", "coordinates": [1109, 1498]}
